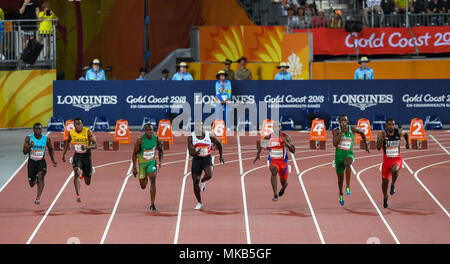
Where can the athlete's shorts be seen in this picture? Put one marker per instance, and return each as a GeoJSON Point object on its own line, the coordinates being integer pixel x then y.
{"type": "Point", "coordinates": [339, 162]}
{"type": "Point", "coordinates": [200, 163]}
{"type": "Point", "coordinates": [387, 165]}
{"type": "Point", "coordinates": [282, 168]}
{"type": "Point", "coordinates": [146, 168]}
{"type": "Point", "coordinates": [34, 167]}
{"type": "Point", "coordinates": [83, 162]}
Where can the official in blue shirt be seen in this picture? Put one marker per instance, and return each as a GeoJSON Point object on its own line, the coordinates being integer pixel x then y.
{"type": "Point", "coordinates": [223, 97]}
{"type": "Point", "coordinates": [95, 73]}
{"type": "Point", "coordinates": [182, 74]}
{"type": "Point", "coordinates": [364, 72]}
{"type": "Point", "coordinates": [283, 74]}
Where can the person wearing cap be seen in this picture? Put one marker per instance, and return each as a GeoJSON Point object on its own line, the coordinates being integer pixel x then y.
{"type": "Point", "coordinates": [83, 74]}
{"type": "Point", "coordinates": [142, 73]}
{"type": "Point", "coordinates": [223, 97]}
{"type": "Point", "coordinates": [95, 73]}
{"type": "Point", "coordinates": [283, 74]}
{"type": "Point", "coordinates": [228, 70]}
{"type": "Point", "coordinates": [242, 73]}
{"type": "Point", "coordinates": [364, 72]}
{"type": "Point", "coordinates": [182, 74]}
{"type": "Point", "coordinates": [109, 76]}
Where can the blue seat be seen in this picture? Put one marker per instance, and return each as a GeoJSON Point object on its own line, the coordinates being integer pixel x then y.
{"type": "Point", "coordinates": [433, 122]}
{"type": "Point", "coordinates": [287, 123]}
{"type": "Point", "coordinates": [334, 122]}
{"type": "Point", "coordinates": [379, 122]}
{"type": "Point", "coordinates": [147, 120]}
{"type": "Point", "coordinates": [101, 123]}
{"type": "Point", "coordinates": [56, 124]}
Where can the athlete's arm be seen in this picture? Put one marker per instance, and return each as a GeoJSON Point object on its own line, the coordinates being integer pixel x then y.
{"type": "Point", "coordinates": [406, 136]}
{"type": "Point", "coordinates": [336, 137]}
{"type": "Point", "coordinates": [380, 139]}
{"type": "Point", "coordinates": [92, 139]}
{"type": "Point", "coordinates": [137, 148]}
{"type": "Point", "coordinates": [218, 144]}
{"type": "Point", "coordinates": [363, 136]}
{"type": "Point", "coordinates": [159, 146]}
{"type": "Point", "coordinates": [191, 148]}
{"type": "Point", "coordinates": [261, 146]}
{"type": "Point", "coordinates": [287, 141]}
{"type": "Point", "coordinates": [51, 151]}
{"type": "Point", "coordinates": [66, 147]}
{"type": "Point", "coordinates": [27, 146]}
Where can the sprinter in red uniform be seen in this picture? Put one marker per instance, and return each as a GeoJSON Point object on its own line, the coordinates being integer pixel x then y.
{"type": "Point", "coordinates": [389, 139]}
{"type": "Point", "coordinates": [278, 143]}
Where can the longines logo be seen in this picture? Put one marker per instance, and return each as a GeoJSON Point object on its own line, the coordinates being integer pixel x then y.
{"type": "Point", "coordinates": [363, 101]}
{"type": "Point", "coordinates": [87, 102]}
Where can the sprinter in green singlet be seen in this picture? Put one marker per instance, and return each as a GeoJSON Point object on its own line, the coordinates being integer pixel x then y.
{"type": "Point", "coordinates": [343, 137]}
{"type": "Point", "coordinates": [144, 153]}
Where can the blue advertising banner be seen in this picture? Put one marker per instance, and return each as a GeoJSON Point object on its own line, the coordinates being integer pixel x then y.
{"type": "Point", "coordinates": [300, 100]}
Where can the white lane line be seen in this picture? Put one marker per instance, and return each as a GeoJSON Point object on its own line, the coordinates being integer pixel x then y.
{"type": "Point", "coordinates": [374, 204]}
{"type": "Point", "coordinates": [59, 194]}
{"type": "Point", "coordinates": [17, 171]}
{"type": "Point", "coordinates": [241, 170]}
{"type": "Point", "coordinates": [187, 161]}
{"type": "Point", "coordinates": [116, 204]}
{"type": "Point", "coordinates": [295, 163]}
{"type": "Point", "coordinates": [440, 145]}
{"type": "Point", "coordinates": [316, 223]}
{"type": "Point", "coordinates": [416, 176]}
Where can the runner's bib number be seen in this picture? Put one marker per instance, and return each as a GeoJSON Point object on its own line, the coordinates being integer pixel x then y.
{"type": "Point", "coordinates": [392, 152]}
{"type": "Point", "coordinates": [345, 144]}
{"type": "Point", "coordinates": [204, 151]}
{"type": "Point", "coordinates": [37, 154]}
{"type": "Point", "coordinates": [276, 153]}
{"type": "Point", "coordinates": [78, 148]}
{"type": "Point", "coordinates": [149, 154]}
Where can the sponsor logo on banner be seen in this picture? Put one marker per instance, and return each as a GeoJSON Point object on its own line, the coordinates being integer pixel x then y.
{"type": "Point", "coordinates": [86, 102]}
{"type": "Point", "coordinates": [152, 101]}
{"type": "Point", "coordinates": [292, 101]}
{"type": "Point", "coordinates": [211, 99]}
{"type": "Point", "coordinates": [363, 101]}
{"type": "Point", "coordinates": [426, 100]}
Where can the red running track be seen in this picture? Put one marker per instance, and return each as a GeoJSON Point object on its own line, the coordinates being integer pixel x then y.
{"type": "Point", "coordinates": [115, 209]}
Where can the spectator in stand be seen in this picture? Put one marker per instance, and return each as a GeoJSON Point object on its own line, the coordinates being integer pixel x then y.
{"type": "Point", "coordinates": [388, 8]}
{"type": "Point", "coordinates": [292, 20]}
{"type": "Point", "coordinates": [312, 4]}
{"type": "Point", "coordinates": [165, 75]}
{"type": "Point", "coordinates": [46, 26]}
{"type": "Point", "coordinates": [228, 70]}
{"type": "Point", "coordinates": [448, 12]}
{"type": "Point", "coordinates": [182, 74]}
{"type": "Point", "coordinates": [309, 13]}
{"type": "Point", "coordinates": [301, 18]}
{"type": "Point", "coordinates": [283, 74]}
{"type": "Point", "coordinates": [436, 7]}
{"type": "Point", "coordinates": [142, 73]}
{"type": "Point", "coordinates": [109, 76]}
{"type": "Point", "coordinates": [336, 19]}
{"type": "Point", "coordinates": [242, 73]}
{"type": "Point", "coordinates": [28, 10]}
{"type": "Point", "coordinates": [372, 6]}
{"type": "Point", "coordinates": [364, 72]}
{"type": "Point", "coordinates": [419, 8]}
{"type": "Point", "coordinates": [400, 6]}
{"type": "Point", "coordinates": [95, 73]}
{"type": "Point", "coordinates": [320, 21]}
{"type": "Point", "coordinates": [286, 4]}
{"type": "Point", "coordinates": [83, 74]}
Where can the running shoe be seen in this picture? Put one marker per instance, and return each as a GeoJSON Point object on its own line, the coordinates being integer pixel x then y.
{"type": "Point", "coordinates": [198, 206]}
{"type": "Point", "coordinates": [385, 203]}
{"type": "Point", "coordinates": [152, 208]}
{"type": "Point", "coordinates": [392, 189]}
{"type": "Point", "coordinates": [341, 199]}
{"type": "Point", "coordinates": [202, 186]}
{"type": "Point", "coordinates": [81, 175]}
{"type": "Point", "coordinates": [281, 192]}
{"type": "Point", "coordinates": [37, 202]}
{"type": "Point", "coordinates": [78, 199]}
{"type": "Point", "coordinates": [275, 198]}
{"type": "Point", "coordinates": [347, 191]}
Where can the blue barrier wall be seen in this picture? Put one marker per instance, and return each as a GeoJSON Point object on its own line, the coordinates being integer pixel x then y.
{"type": "Point", "coordinates": [132, 100]}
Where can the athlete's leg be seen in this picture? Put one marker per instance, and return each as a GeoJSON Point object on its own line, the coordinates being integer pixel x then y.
{"type": "Point", "coordinates": [196, 182]}
{"type": "Point", "coordinates": [40, 184]}
{"type": "Point", "coordinates": [348, 170]}
{"type": "Point", "coordinates": [87, 171]}
{"type": "Point", "coordinates": [283, 173]}
{"type": "Point", "coordinates": [340, 177]}
{"type": "Point", "coordinates": [143, 182]}
{"type": "Point", "coordinates": [152, 177]}
{"type": "Point", "coordinates": [76, 179]}
{"type": "Point", "coordinates": [208, 174]}
{"type": "Point", "coordinates": [273, 180]}
{"type": "Point", "coordinates": [394, 171]}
